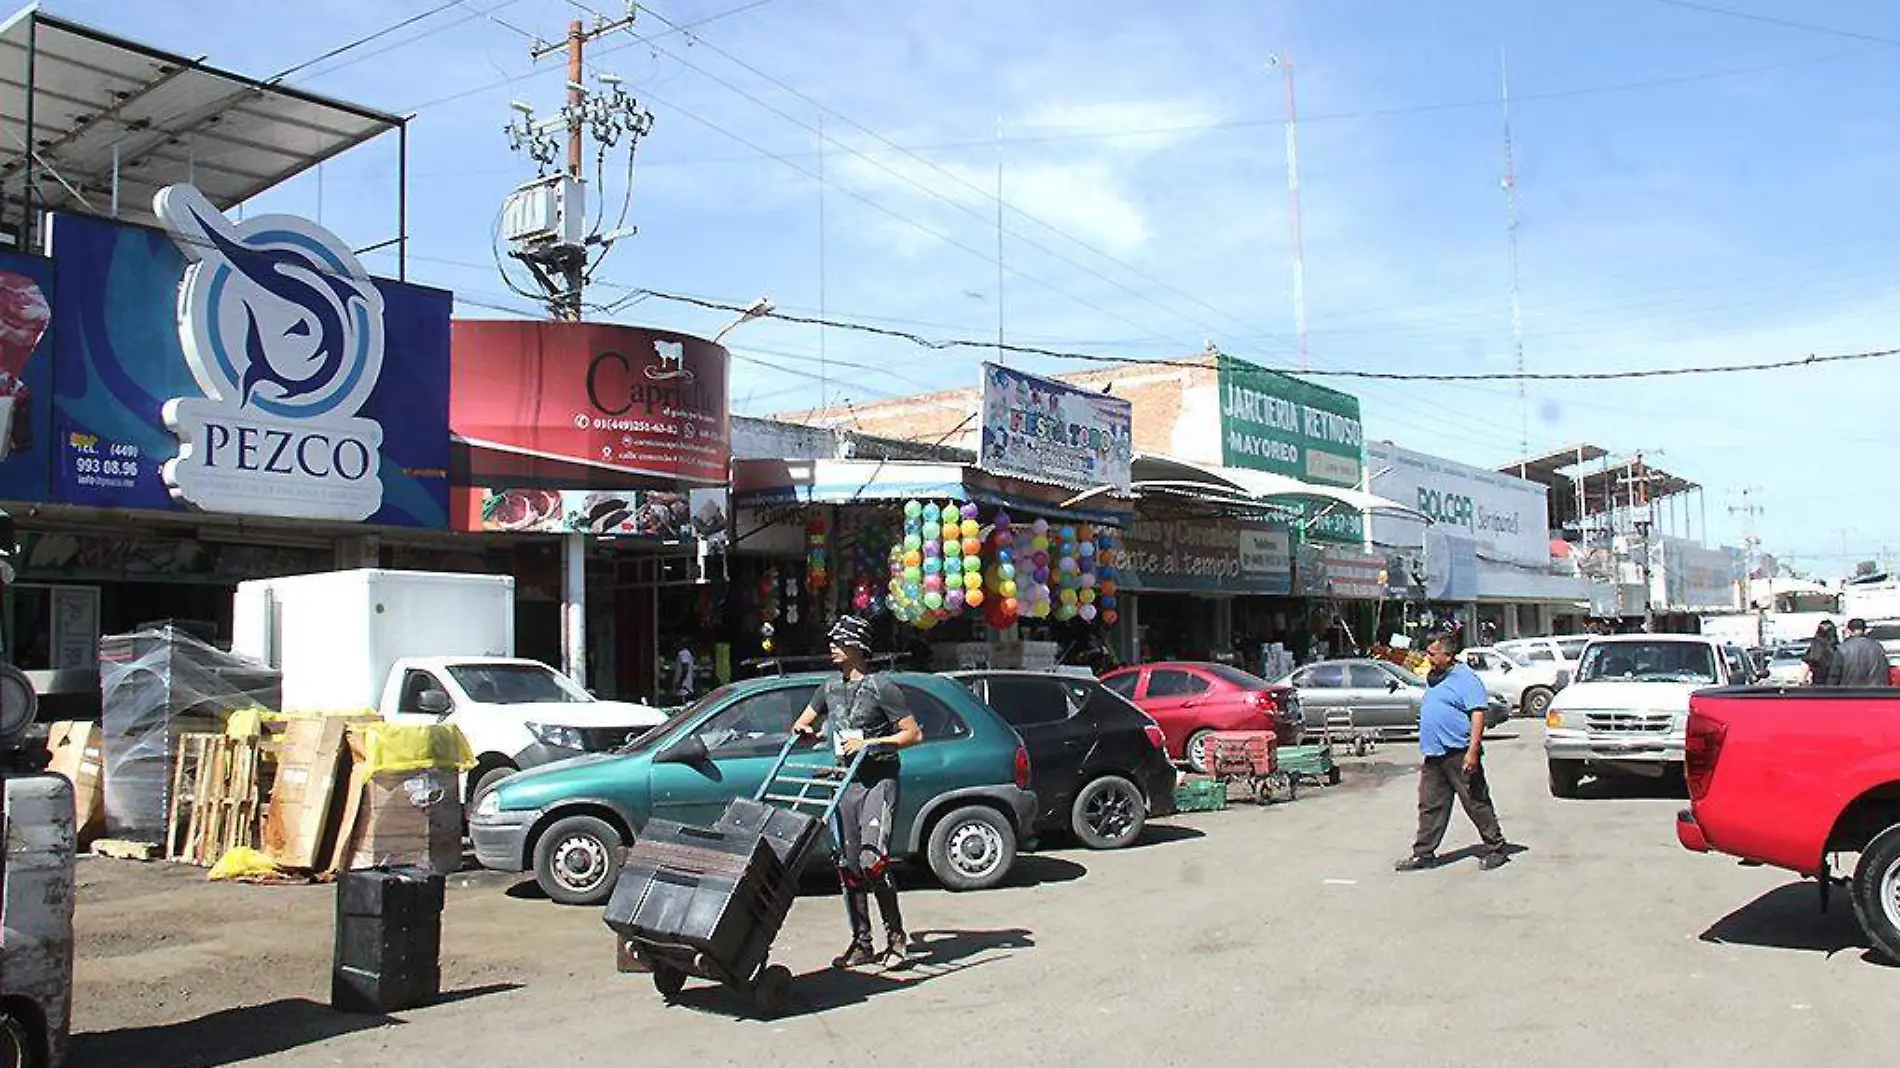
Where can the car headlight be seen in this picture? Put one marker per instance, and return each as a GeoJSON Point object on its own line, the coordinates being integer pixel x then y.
{"type": "Point", "coordinates": [489, 804]}
{"type": "Point", "coordinates": [556, 737]}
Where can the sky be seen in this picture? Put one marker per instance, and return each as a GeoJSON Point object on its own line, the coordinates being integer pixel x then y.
{"type": "Point", "coordinates": [1697, 185]}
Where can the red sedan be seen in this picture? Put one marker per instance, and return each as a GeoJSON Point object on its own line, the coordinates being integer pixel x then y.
{"type": "Point", "coordinates": [1189, 700]}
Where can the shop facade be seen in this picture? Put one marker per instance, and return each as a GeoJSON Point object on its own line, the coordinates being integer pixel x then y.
{"type": "Point", "coordinates": [1484, 562]}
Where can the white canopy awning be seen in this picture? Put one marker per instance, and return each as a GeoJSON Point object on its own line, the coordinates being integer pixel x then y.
{"type": "Point", "coordinates": [1240, 486]}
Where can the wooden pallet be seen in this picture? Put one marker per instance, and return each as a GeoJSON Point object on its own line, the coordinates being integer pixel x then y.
{"type": "Point", "coordinates": [215, 797]}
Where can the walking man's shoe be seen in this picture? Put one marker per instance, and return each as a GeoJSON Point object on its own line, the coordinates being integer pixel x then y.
{"type": "Point", "coordinates": [897, 952]}
{"type": "Point", "coordinates": [1493, 861]}
{"type": "Point", "coordinates": [1416, 862]}
{"type": "Point", "coordinates": [857, 956]}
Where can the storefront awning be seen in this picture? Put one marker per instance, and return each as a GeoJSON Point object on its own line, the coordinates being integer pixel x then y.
{"type": "Point", "coordinates": [1240, 486]}
{"type": "Point", "coordinates": [774, 483]}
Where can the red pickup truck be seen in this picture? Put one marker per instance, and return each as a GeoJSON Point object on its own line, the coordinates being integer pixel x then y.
{"type": "Point", "coordinates": [1791, 777]}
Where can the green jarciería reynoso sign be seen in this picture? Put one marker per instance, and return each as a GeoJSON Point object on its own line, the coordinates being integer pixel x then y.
{"type": "Point", "coordinates": [1275, 422]}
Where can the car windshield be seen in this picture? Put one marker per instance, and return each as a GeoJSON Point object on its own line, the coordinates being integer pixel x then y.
{"type": "Point", "coordinates": [516, 684]}
{"type": "Point", "coordinates": [1401, 674]}
{"type": "Point", "coordinates": [1233, 676]}
{"type": "Point", "coordinates": [1786, 655]}
{"type": "Point", "coordinates": [1657, 661]}
{"type": "Point", "coordinates": [1516, 657]}
{"type": "Point", "coordinates": [652, 737]}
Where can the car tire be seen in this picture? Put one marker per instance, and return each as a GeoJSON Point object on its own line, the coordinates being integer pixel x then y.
{"type": "Point", "coordinates": [17, 1046]}
{"type": "Point", "coordinates": [971, 848]}
{"type": "Point", "coordinates": [1565, 775]}
{"type": "Point", "coordinates": [1535, 702]}
{"type": "Point", "coordinates": [485, 781]}
{"type": "Point", "coordinates": [1876, 893]}
{"type": "Point", "coordinates": [577, 859]}
{"type": "Point", "coordinates": [1108, 813]}
{"type": "Point", "coordinates": [1196, 744]}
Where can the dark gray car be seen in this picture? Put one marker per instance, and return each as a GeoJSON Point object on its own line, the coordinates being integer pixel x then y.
{"type": "Point", "coordinates": [1370, 695]}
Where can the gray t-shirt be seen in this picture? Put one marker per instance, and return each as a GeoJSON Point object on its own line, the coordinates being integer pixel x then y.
{"type": "Point", "coordinates": [872, 706]}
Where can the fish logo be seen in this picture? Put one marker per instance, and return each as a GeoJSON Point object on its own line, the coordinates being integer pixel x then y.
{"type": "Point", "coordinates": [276, 313]}
{"type": "Point", "coordinates": [282, 329]}
{"type": "Point", "coordinates": [672, 356]}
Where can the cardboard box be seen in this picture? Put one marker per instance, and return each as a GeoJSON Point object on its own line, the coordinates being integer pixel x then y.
{"type": "Point", "coordinates": [78, 754]}
{"type": "Point", "coordinates": [409, 818]}
{"type": "Point", "coordinates": [299, 823]}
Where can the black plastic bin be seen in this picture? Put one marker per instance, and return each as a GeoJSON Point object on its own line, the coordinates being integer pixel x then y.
{"type": "Point", "coordinates": [789, 833]}
{"type": "Point", "coordinates": [388, 939]}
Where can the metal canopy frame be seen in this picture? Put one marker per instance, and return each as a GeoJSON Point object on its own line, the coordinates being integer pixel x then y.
{"type": "Point", "coordinates": [113, 121]}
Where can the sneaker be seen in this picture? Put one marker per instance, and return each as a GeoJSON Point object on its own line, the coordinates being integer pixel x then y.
{"type": "Point", "coordinates": [897, 952]}
{"type": "Point", "coordinates": [1415, 862]}
{"type": "Point", "coordinates": [1493, 861]}
{"type": "Point", "coordinates": [857, 956]}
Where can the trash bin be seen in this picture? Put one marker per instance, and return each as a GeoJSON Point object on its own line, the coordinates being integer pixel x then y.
{"type": "Point", "coordinates": [388, 939]}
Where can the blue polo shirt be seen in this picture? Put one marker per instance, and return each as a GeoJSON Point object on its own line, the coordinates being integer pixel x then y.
{"type": "Point", "coordinates": [1444, 715]}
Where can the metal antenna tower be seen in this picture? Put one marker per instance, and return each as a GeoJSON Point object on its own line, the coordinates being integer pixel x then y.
{"type": "Point", "coordinates": [1284, 64]}
{"type": "Point", "coordinates": [1517, 307]}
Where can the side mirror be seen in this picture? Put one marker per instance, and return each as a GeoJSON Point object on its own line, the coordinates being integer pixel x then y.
{"type": "Point", "coordinates": [1391, 686]}
{"type": "Point", "coordinates": [433, 702]}
{"type": "Point", "coordinates": [688, 750]}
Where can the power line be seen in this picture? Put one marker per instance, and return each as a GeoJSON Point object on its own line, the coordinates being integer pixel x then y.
{"type": "Point", "coordinates": [366, 39]}
{"type": "Point", "coordinates": [1811, 360]}
{"type": "Point", "coordinates": [1790, 24]}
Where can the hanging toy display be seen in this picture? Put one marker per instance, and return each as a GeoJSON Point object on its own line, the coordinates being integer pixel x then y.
{"type": "Point", "coordinates": [865, 555]}
{"type": "Point", "coordinates": [1001, 606]}
{"type": "Point", "coordinates": [817, 564]}
{"type": "Point", "coordinates": [768, 607]}
{"type": "Point", "coordinates": [1106, 559]}
{"type": "Point", "coordinates": [1085, 564]}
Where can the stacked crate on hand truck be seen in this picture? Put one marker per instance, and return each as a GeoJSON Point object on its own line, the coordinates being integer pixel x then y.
{"type": "Point", "coordinates": [1250, 757]}
{"type": "Point", "coordinates": [709, 901]}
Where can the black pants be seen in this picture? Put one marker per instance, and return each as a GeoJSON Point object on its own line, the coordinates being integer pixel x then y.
{"type": "Point", "coordinates": [1440, 779]}
{"type": "Point", "coordinates": [866, 811]}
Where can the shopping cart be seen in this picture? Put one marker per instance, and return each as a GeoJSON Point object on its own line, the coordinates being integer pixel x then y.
{"type": "Point", "coordinates": [708, 902]}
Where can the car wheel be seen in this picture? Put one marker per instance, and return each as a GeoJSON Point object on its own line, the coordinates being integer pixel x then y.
{"type": "Point", "coordinates": [1535, 702]}
{"type": "Point", "coordinates": [17, 1048]}
{"type": "Point", "coordinates": [1565, 775]}
{"type": "Point", "coordinates": [1876, 892]}
{"type": "Point", "coordinates": [972, 848]}
{"type": "Point", "coordinates": [668, 980]}
{"type": "Point", "coordinates": [1108, 813]}
{"type": "Point", "coordinates": [577, 860]}
{"type": "Point", "coordinates": [486, 781]}
{"type": "Point", "coordinates": [1195, 751]}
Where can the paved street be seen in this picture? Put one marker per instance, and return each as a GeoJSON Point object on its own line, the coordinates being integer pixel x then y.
{"type": "Point", "coordinates": [1278, 935]}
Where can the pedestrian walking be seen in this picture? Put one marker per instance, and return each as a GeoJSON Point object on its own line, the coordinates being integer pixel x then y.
{"type": "Point", "coordinates": [863, 709]}
{"type": "Point", "coordinates": [1451, 739]}
{"type": "Point", "coordinates": [1860, 661]}
{"type": "Point", "coordinates": [1821, 653]}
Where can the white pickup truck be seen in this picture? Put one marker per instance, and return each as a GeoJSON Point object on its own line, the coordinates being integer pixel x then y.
{"type": "Point", "coordinates": [427, 647]}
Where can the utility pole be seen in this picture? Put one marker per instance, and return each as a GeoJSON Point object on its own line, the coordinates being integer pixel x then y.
{"type": "Point", "coordinates": [1284, 64]}
{"type": "Point", "coordinates": [1643, 511]}
{"type": "Point", "coordinates": [1748, 510]}
{"type": "Point", "coordinates": [545, 221]}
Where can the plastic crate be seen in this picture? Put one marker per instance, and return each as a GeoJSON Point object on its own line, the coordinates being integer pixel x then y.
{"type": "Point", "coordinates": [1200, 795]}
{"type": "Point", "coordinates": [1241, 753]}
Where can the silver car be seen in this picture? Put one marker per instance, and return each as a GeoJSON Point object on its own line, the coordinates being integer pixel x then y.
{"type": "Point", "coordinates": [1379, 696]}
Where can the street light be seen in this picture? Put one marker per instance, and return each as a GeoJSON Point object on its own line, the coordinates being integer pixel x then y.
{"type": "Point", "coordinates": [756, 310]}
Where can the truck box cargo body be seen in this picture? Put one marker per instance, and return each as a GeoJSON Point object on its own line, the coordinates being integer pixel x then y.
{"type": "Point", "coordinates": [336, 635]}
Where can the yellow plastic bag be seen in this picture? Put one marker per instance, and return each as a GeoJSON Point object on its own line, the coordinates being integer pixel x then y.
{"type": "Point", "coordinates": [244, 864]}
{"type": "Point", "coordinates": [412, 747]}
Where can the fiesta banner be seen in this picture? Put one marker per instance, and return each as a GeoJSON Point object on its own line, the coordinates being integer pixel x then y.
{"type": "Point", "coordinates": [1053, 432]}
{"type": "Point", "coordinates": [244, 368]}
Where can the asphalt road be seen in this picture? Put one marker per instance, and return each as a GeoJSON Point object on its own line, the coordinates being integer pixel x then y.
{"type": "Point", "coordinates": [1278, 935]}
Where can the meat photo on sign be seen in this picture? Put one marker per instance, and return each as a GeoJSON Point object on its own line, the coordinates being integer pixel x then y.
{"type": "Point", "coordinates": [24, 315]}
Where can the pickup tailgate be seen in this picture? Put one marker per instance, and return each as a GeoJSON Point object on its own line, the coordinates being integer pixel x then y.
{"type": "Point", "coordinates": [1771, 769]}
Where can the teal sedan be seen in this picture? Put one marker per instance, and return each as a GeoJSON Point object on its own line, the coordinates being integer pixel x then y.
{"type": "Point", "coordinates": [964, 802]}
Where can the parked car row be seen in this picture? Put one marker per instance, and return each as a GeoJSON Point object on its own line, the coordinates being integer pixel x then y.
{"type": "Point", "coordinates": [1006, 757]}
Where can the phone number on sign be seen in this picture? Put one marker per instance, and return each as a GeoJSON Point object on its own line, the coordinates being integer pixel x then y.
{"type": "Point", "coordinates": [94, 465]}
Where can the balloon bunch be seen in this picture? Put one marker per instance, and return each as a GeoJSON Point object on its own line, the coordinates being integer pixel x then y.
{"type": "Point", "coordinates": [1068, 574]}
{"type": "Point", "coordinates": [1032, 582]}
{"type": "Point", "coordinates": [1001, 604]}
{"type": "Point", "coordinates": [864, 553]}
{"type": "Point", "coordinates": [1087, 564]}
{"type": "Point", "coordinates": [1107, 557]}
{"type": "Point", "coordinates": [937, 569]}
{"type": "Point", "coordinates": [817, 565]}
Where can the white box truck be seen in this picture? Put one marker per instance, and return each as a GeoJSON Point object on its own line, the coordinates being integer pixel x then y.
{"type": "Point", "coordinates": [426, 647]}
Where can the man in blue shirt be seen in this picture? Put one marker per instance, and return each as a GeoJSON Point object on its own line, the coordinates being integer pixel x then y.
{"type": "Point", "coordinates": [1451, 736]}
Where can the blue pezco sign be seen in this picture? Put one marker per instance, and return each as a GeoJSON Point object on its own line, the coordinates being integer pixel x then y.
{"type": "Point", "coordinates": [247, 368]}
